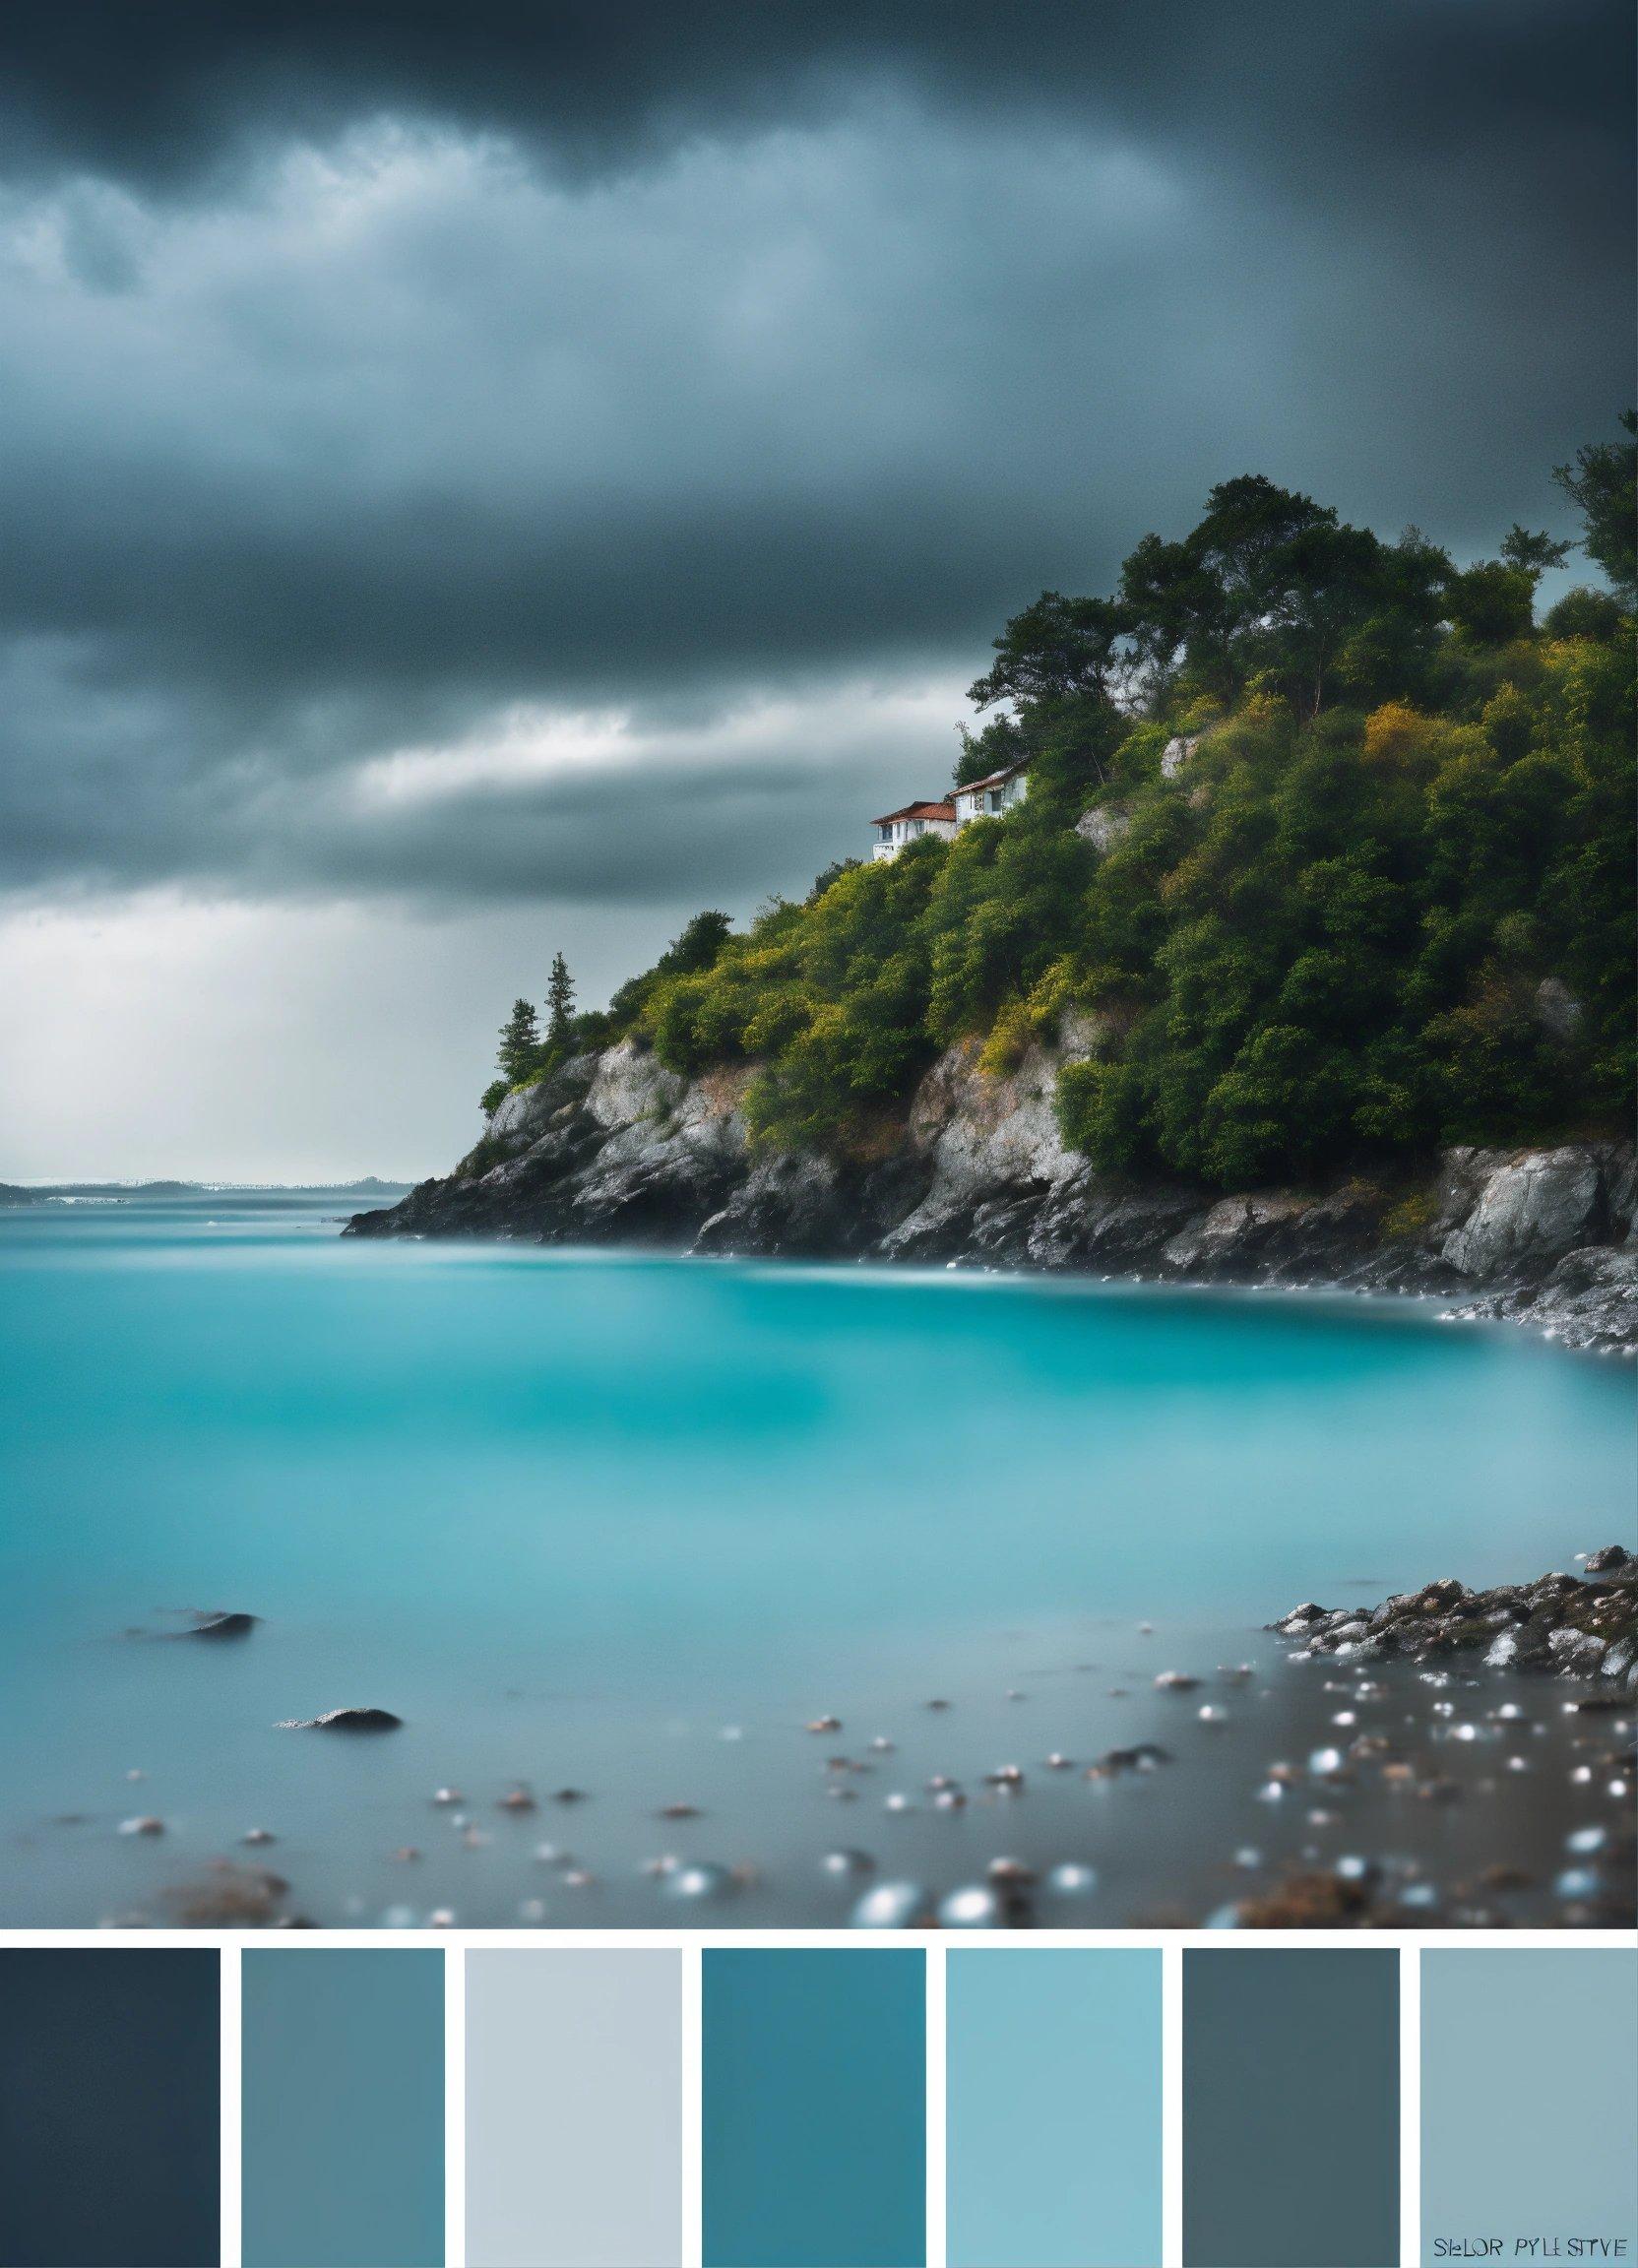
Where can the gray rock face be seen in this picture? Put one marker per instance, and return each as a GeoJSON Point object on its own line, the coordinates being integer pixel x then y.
{"type": "Point", "coordinates": [1557, 1010]}
{"type": "Point", "coordinates": [1535, 1207]}
{"type": "Point", "coordinates": [1178, 752]}
{"type": "Point", "coordinates": [619, 1149]}
{"type": "Point", "coordinates": [1106, 825]}
{"type": "Point", "coordinates": [984, 1138]}
{"type": "Point", "coordinates": [1590, 1300]}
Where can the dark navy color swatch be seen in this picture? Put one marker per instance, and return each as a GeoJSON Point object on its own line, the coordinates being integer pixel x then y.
{"type": "Point", "coordinates": [110, 2108]}
{"type": "Point", "coordinates": [1291, 2108]}
{"type": "Point", "coordinates": [815, 2112]}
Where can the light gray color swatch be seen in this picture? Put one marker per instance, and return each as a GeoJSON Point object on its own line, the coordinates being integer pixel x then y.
{"type": "Point", "coordinates": [573, 2076]}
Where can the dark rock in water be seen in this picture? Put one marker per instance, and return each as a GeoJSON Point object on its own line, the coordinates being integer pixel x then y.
{"type": "Point", "coordinates": [344, 1721]}
{"type": "Point", "coordinates": [1557, 1624]}
{"type": "Point", "coordinates": [230, 1897]}
{"type": "Point", "coordinates": [221, 1626]}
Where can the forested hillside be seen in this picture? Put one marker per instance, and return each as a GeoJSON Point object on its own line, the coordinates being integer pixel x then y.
{"type": "Point", "coordinates": [1328, 854]}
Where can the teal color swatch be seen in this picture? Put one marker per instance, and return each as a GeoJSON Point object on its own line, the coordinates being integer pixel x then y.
{"type": "Point", "coordinates": [574, 2120]}
{"type": "Point", "coordinates": [814, 2109]}
{"type": "Point", "coordinates": [343, 2110]}
{"type": "Point", "coordinates": [1053, 2109]}
{"type": "Point", "coordinates": [1530, 2102]}
{"type": "Point", "coordinates": [1291, 2108]}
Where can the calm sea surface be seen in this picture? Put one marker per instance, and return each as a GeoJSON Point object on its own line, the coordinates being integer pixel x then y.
{"type": "Point", "coordinates": [627, 1525]}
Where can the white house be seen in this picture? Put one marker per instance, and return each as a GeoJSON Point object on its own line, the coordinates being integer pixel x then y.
{"type": "Point", "coordinates": [898, 828]}
{"type": "Point", "coordinates": [994, 793]}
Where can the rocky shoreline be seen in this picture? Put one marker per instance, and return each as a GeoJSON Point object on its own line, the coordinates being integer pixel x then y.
{"type": "Point", "coordinates": [1448, 1758]}
{"type": "Point", "coordinates": [1566, 1625]}
{"type": "Point", "coordinates": [616, 1149]}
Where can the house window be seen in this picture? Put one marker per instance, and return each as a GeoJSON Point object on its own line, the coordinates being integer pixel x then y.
{"type": "Point", "coordinates": [996, 798]}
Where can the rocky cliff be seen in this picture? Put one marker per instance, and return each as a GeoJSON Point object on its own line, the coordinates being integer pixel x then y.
{"type": "Point", "coordinates": [614, 1148]}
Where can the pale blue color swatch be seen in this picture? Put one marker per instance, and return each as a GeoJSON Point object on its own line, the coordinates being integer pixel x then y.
{"type": "Point", "coordinates": [813, 2114]}
{"type": "Point", "coordinates": [343, 2109]}
{"type": "Point", "coordinates": [574, 2080]}
{"type": "Point", "coordinates": [1530, 2100]}
{"type": "Point", "coordinates": [1053, 2109]}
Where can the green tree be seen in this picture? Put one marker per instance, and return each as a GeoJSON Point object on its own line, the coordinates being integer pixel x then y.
{"type": "Point", "coordinates": [699, 947]}
{"type": "Point", "coordinates": [560, 1003]}
{"type": "Point", "coordinates": [1603, 483]}
{"type": "Point", "coordinates": [519, 1038]}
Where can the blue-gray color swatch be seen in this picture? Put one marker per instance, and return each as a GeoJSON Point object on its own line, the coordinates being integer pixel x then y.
{"type": "Point", "coordinates": [111, 2108]}
{"type": "Point", "coordinates": [344, 2108]}
{"type": "Point", "coordinates": [1291, 2108]}
{"type": "Point", "coordinates": [1530, 2098]}
{"type": "Point", "coordinates": [1053, 2109]}
{"type": "Point", "coordinates": [574, 2131]}
{"type": "Point", "coordinates": [814, 2109]}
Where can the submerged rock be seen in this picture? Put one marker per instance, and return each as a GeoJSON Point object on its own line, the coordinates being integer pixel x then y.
{"type": "Point", "coordinates": [221, 1626]}
{"type": "Point", "coordinates": [344, 1721]}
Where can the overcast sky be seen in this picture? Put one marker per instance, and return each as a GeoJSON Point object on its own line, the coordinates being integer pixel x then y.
{"type": "Point", "coordinates": [489, 479]}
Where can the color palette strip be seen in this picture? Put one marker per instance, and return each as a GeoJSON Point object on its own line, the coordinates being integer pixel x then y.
{"type": "Point", "coordinates": [770, 2107]}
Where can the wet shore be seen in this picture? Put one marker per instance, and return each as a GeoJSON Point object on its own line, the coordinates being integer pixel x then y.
{"type": "Point", "coordinates": [1446, 1758]}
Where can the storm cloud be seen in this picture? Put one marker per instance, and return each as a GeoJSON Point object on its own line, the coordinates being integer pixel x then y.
{"type": "Point", "coordinates": [368, 373]}
{"type": "Point", "coordinates": [572, 460]}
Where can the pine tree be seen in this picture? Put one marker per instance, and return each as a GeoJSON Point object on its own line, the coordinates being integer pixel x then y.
{"type": "Point", "coordinates": [560, 1002]}
{"type": "Point", "coordinates": [520, 1037]}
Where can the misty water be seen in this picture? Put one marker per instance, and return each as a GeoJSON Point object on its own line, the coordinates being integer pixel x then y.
{"type": "Point", "coordinates": [627, 1526]}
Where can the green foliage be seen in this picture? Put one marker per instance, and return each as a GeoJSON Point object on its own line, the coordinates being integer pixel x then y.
{"type": "Point", "coordinates": [1603, 483]}
{"type": "Point", "coordinates": [494, 1095]}
{"type": "Point", "coordinates": [1317, 938]}
{"type": "Point", "coordinates": [560, 1004]}
{"type": "Point", "coordinates": [520, 1042]}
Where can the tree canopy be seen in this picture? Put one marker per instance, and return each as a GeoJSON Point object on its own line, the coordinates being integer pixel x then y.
{"type": "Point", "coordinates": [1378, 897]}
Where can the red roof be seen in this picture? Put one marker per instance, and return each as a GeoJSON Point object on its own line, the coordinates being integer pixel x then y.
{"type": "Point", "coordinates": [918, 811]}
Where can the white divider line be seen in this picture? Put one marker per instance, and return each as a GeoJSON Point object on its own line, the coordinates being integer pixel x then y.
{"type": "Point", "coordinates": [693, 2218]}
{"type": "Point", "coordinates": [1172, 2106]}
{"type": "Point", "coordinates": [232, 2160]}
{"type": "Point", "coordinates": [455, 2106]}
{"type": "Point", "coordinates": [937, 2148]}
{"type": "Point", "coordinates": [1410, 2105]}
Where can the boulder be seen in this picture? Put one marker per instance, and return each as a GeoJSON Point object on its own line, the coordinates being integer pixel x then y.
{"type": "Point", "coordinates": [1533, 1208]}
{"type": "Point", "coordinates": [1104, 826]}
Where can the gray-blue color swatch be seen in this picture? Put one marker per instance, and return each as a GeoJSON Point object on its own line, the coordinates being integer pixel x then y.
{"type": "Point", "coordinates": [344, 2108]}
{"type": "Point", "coordinates": [1530, 2097]}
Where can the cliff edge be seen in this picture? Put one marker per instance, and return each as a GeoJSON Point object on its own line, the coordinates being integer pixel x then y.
{"type": "Point", "coordinates": [613, 1147]}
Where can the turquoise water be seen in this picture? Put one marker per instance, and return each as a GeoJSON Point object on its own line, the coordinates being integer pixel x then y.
{"type": "Point", "coordinates": [628, 1522]}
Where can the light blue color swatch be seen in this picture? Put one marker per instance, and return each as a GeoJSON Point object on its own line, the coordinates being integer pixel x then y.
{"type": "Point", "coordinates": [814, 2109]}
{"type": "Point", "coordinates": [342, 2109]}
{"type": "Point", "coordinates": [1530, 2100]}
{"type": "Point", "coordinates": [574, 2079]}
{"type": "Point", "coordinates": [1053, 2109]}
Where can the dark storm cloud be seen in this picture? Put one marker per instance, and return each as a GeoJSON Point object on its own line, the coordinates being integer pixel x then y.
{"type": "Point", "coordinates": [367, 373]}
